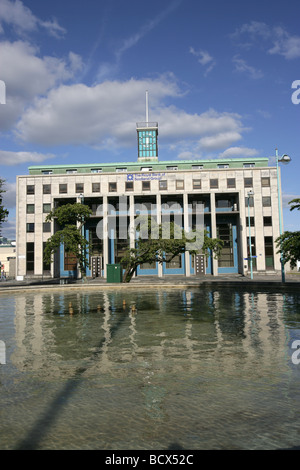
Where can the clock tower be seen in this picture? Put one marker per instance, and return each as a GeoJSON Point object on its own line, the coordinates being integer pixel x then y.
{"type": "Point", "coordinates": [147, 133]}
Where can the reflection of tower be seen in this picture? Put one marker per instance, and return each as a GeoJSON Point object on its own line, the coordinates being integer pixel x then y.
{"type": "Point", "coordinates": [147, 133]}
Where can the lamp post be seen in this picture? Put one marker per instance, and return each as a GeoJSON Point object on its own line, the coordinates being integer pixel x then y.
{"type": "Point", "coordinates": [284, 160]}
{"type": "Point", "coordinates": [250, 194]}
{"type": "Point", "coordinates": [81, 196]}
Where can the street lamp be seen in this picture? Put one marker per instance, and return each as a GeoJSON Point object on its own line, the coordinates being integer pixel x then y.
{"type": "Point", "coordinates": [285, 159]}
{"type": "Point", "coordinates": [250, 194]}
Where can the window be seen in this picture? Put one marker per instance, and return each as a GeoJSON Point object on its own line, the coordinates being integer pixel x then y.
{"type": "Point", "coordinates": [30, 189]}
{"type": "Point", "coordinates": [197, 167]}
{"type": "Point", "coordinates": [146, 168]}
{"type": "Point", "coordinates": [214, 183]}
{"type": "Point", "coordinates": [47, 172]}
{"type": "Point", "coordinates": [248, 182]}
{"type": "Point", "coordinates": [248, 165]}
{"type": "Point", "coordinates": [170, 167]}
{"type": "Point", "coordinates": [96, 170]}
{"type": "Point", "coordinates": [251, 221]}
{"type": "Point", "coordinates": [223, 165]}
{"type": "Point", "coordinates": [196, 184]}
{"type": "Point", "coordinates": [46, 227]}
{"type": "Point", "coordinates": [121, 170]}
{"type": "Point", "coordinates": [265, 182]}
{"type": "Point", "coordinates": [163, 184]}
{"type": "Point", "coordinates": [112, 187]}
{"type": "Point", "coordinates": [30, 257]}
{"type": "Point", "coordinates": [251, 201]}
{"type": "Point", "coordinates": [71, 172]}
{"type": "Point", "coordinates": [230, 182]}
{"type": "Point", "coordinates": [179, 184]}
{"type": "Point", "coordinates": [29, 227]}
{"type": "Point", "coordinates": [223, 203]}
{"type": "Point", "coordinates": [96, 187]}
{"type": "Point", "coordinates": [46, 188]}
{"type": "Point", "coordinates": [30, 209]}
{"type": "Point", "coordinates": [79, 187]}
{"type": "Point", "coordinates": [269, 253]}
{"type": "Point", "coordinates": [266, 201]}
{"type": "Point", "coordinates": [267, 221]}
{"type": "Point", "coordinates": [46, 208]}
{"type": "Point", "coordinates": [129, 185]}
{"type": "Point", "coordinates": [146, 185]}
{"type": "Point", "coordinates": [63, 189]}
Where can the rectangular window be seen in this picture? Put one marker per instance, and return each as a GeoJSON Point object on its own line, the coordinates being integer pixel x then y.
{"type": "Point", "coordinates": [96, 187]}
{"type": "Point", "coordinates": [163, 184]}
{"type": "Point", "coordinates": [30, 189]}
{"type": "Point", "coordinates": [146, 185]}
{"type": "Point", "coordinates": [79, 187]}
{"type": "Point", "coordinates": [146, 168]}
{"type": "Point", "coordinates": [269, 253]}
{"type": "Point", "coordinates": [30, 257]}
{"type": "Point", "coordinates": [96, 170]}
{"type": "Point", "coordinates": [248, 182]}
{"type": "Point", "coordinates": [251, 221]}
{"type": "Point", "coordinates": [266, 201]}
{"type": "Point", "coordinates": [46, 227]}
{"type": "Point", "coordinates": [251, 201]}
{"type": "Point", "coordinates": [267, 221]}
{"type": "Point", "coordinates": [197, 167]}
{"type": "Point", "coordinates": [196, 184]}
{"type": "Point", "coordinates": [223, 165]}
{"type": "Point", "coordinates": [121, 170]}
{"type": "Point", "coordinates": [112, 187]}
{"type": "Point", "coordinates": [224, 232]}
{"type": "Point", "coordinates": [47, 172]}
{"type": "Point", "coordinates": [46, 208]}
{"type": "Point", "coordinates": [71, 172]}
{"type": "Point", "coordinates": [249, 165]}
{"type": "Point", "coordinates": [30, 209]}
{"type": "Point", "coordinates": [63, 189]}
{"type": "Point", "coordinates": [46, 188]}
{"type": "Point", "coordinates": [230, 182]}
{"type": "Point", "coordinates": [30, 227]}
{"type": "Point", "coordinates": [179, 184]}
{"type": "Point", "coordinates": [214, 183]}
{"type": "Point", "coordinates": [46, 266]}
{"type": "Point", "coordinates": [170, 167]}
{"type": "Point", "coordinates": [129, 185]}
{"type": "Point", "coordinates": [265, 182]}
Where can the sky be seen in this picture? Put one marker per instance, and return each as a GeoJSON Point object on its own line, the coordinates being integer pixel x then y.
{"type": "Point", "coordinates": [223, 80]}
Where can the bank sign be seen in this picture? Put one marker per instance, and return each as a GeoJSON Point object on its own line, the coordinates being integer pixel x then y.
{"type": "Point", "coordinates": [145, 176]}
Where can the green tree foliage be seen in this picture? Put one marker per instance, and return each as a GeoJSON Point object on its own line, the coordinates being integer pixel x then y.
{"type": "Point", "coordinates": [3, 212]}
{"type": "Point", "coordinates": [161, 243]}
{"type": "Point", "coordinates": [288, 243]}
{"type": "Point", "coordinates": [71, 218]}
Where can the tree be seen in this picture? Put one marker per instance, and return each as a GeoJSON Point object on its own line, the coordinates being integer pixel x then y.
{"type": "Point", "coordinates": [161, 243]}
{"type": "Point", "coordinates": [3, 212]}
{"type": "Point", "coordinates": [71, 218]}
{"type": "Point", "coordinates": [288, 243]}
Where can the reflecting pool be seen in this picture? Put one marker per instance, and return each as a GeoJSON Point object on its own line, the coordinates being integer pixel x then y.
{"type": "Point", "coordinates": [195, 368]}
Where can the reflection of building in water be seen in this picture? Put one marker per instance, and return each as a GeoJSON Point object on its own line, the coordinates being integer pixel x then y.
{"type": "Point", "coordinates": [169, 332]}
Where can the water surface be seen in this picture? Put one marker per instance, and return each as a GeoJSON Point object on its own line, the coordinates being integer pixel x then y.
{"type": "Point", "coordinates": [199, 368]}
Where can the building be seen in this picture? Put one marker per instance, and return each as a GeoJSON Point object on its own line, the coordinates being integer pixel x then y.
{"type": "Point", "coordinates": [7, 258]}
{"type": "Point", "coordinates": [117, 190]}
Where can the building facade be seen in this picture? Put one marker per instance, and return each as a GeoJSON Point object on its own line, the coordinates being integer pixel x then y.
{"type": "Point", "coordinates": [239, 198]}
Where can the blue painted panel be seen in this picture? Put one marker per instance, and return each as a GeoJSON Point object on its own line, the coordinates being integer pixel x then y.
{"type": "Point", "coordinates": [175, 271]}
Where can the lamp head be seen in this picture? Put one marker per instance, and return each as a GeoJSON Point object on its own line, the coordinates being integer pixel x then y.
{"type": "Point", "coordinates": [285, 159]}
{"type": "Point", "coordinates": [250, 193]}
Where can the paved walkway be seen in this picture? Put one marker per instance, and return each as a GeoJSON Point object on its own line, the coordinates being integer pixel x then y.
{"type": "Point", "coordinates": [267, 280]}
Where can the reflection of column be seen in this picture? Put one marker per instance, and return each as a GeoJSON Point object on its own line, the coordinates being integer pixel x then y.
{"type": "Point", "coordinates": [158, 220]}
{"type": "Point", "coordinates": [186, 229]}
{"type": "Point", "coordinates": [104, 362]}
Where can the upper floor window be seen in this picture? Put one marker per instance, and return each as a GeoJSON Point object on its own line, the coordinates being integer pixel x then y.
{"type": "Point", "coordinates": [196, 184]}
{"type": "Point", "coordinates": [179, 184]}
{"type": "Point", "coordinates": [248, 165]}
{"type": "Point", "coordinates": [71, 172]}
{"type": "Point", "coordinates": [214, 183]}
{"type": "Point", "coordinates": [223, 165]}
{"type": "Point", "coordinates": [46, 188]}
{"type": "Point", "coordinates": [96, 170]}
{"type": "Point", "coordinates": [47, 172]}
{"type": "Point", "coordinates": [30, 209]}
{"type": "Point", "coordinates": [63, 188]}
{"type": "Point", "coordinates": [230, 182]}
{"type": "Point", "coordinates": [265, 182]}
{"type": "Point", "coordinates": [146, 168]}
{"type": "Point", "coordinates": [79, 188]}
{"type": "Point", "coordinates": [112, 187]}
{"type": "Point", "coordinates": [145, 185]}
{"type": "Point", "coordinates": [29, 227]}
{"type": "Point", "coordinates": [248, 182]}
{"type": "Point", "coordinates": [163, 184]}
{"type": "Point", "coordinates": [129, 185]}
{"type": "Point", "coordinates": [121, 170]}
{"type": "Point", "coordinates": [96, 187]}
{"type": "Point", "coordinates": [170, 167]}
{"type": "Point", "coordinates": [266, 201]}
{"type": "Point", "coordinates": [30, 189]}
{"type": "Point", "coordinates": [197, 167]}
{"type": "Point", "coordinates": [46, 208]}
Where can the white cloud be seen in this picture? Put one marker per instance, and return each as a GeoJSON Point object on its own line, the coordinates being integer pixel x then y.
{"type": "Point", "coordinates": [26, 76]}
{"type": "Point", "coordinates": [274, 39]}
{"type": "Point", "coordinates": [9, 197]}
{"type": "Point", "coordinates": [16, 14]}
{"type": "Point", "coordinates": [238, 152]}
{"type": "Point", "coordinates": [108, 112]}
{"type": "Point", "coordinates": [10, 158]}
{"type": "Point", "coordinates": [242, 66]}
{"type": "Point", "coordinates": [204, 58]}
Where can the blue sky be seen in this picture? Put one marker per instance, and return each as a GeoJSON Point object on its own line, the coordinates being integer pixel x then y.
{"type": "Point", "coordinates": [219, 76]}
